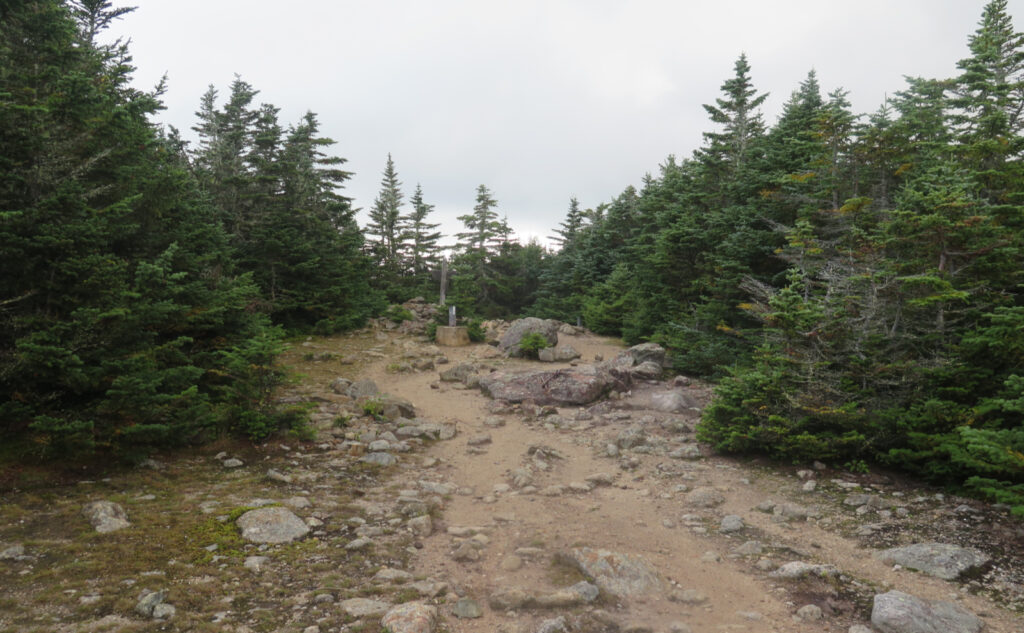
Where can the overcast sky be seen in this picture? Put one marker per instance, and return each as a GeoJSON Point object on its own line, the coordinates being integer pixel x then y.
{"type": "Point", "coordinates": [539, 100]}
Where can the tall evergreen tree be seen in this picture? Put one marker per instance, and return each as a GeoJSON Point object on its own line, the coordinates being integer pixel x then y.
{"type": "Point", "coordinates": [123, 321]}
{"type": "Point", "coordinates": [386, 223]}
{"type": "Point", "coordinates": [482, 225]}
{"type": "Point", "coordinates": [420, 238]}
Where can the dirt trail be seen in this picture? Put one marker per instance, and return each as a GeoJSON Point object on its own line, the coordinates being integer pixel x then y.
{"type": "Point", "coordinates": [510, 498]}
{"type": "Point", "coordinates": [642, 513]}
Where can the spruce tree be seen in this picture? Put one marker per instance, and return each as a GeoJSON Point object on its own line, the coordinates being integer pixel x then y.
{"type": "Point", "coordinates": [420, 240]}
{"type": "Point", "coordinates": [386, 224]}
{"type": "Point", "coordinates": [482, 225]}
{"type": "Point", "coordinates": [122, 310]}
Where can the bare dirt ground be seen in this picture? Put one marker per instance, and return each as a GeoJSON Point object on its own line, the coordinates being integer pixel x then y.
{"type": "Point", "coordinates": [183, 539]}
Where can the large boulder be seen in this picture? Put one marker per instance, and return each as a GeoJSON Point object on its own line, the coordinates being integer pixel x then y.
{"type": "Point", "coordinates": [935, 559]}
{"type": "Point", "coordinates": [574, 386]}
{"type": "Point", "coordinates": [509, 342]}
{"type": "Point", "coordinates": [898, 612]}
{"type": "Point", "coordinates": [271, 525]}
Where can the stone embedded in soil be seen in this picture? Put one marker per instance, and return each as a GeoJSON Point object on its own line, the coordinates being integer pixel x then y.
{"type": "Point", "coordinates": [809, 613]}
{"type": "Point", "coordinates": [466, 552]}
{"type": "Point", "coordinates": [148, 600]}
{"type": "Point", "coordinates": [704, 497]}
{"type": "Point", "coordinates": [935, 559]}
{"type": "Point", "coordinates": [898, 612]}
{"type": "Point", "coordinates": [798, 569]}
{"type": "Point", "coordinates": [509, 598]}
{"type": "Point", "coordinates": [256, 563]}
{"type": "Point", "coordinates": [411, 617]}
{"type": "Point", "coordinates": [233, 462]}
{"type": "Point", "coordinates": [278, 476]}
{"type": "Point", "coordinates": [731, 523]}
{"type": "Point", "coordinates": [467, 608]}
{"type": "Point", "coordinates": [617, 573]}
{"type": "Point", "coordinates": [686, 451]}
{"type": "Point", "coordinates": [553, 625]}
{"type": "Point", "coordinates": [429, 588]}
{"type": "Point", "coordinates": [750, 548]}
{"type": "Point", "coordinates": [106, 516]}
{"type": "Point", "coordinates": [511, 563]}
{"type": "Point", "coordinates": [688, 596]}
{"type": "Point", "coordinates": [379, 459]}
{"type": "Point", "coordinates": [364, 607]}
{"type": "Point", "coordinates": [389, 575]}
{"type": "Point", "coordinates": [785, 511]}
{"type": "Point", "coordinates": [12, 552]}
{"type": "Point", "coordinates": [421, 525]}
{"type": "Point", "coordinates": [271, 525]}
{"type": "Point", "coordinates": [164, 611]}
{"type": "Point", "coordinates": [631, 437]}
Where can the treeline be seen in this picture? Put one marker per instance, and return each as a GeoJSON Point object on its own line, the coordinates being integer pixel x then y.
{"type": "Point", "coordinates": [490, 273]}
{"type": "Point", "coordinates": [853, 281]}
{"type": "Point", "coordinates": [145, 285]}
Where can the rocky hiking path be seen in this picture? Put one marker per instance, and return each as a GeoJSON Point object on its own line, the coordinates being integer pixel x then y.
{"type": "Point", "coordinates": [425, 505]}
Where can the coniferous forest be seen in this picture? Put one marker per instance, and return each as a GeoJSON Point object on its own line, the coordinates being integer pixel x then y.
{"type": "Point", "coordinates": [852, 282]}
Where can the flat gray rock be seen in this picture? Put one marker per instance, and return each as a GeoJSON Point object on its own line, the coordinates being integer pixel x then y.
{"type": "Point", "coordinates": [364, 607]}
{"type": "Point", "coordinates": [898, 612]}
{"type": "Point", "coordinates": [106, 516]}
{"type": "Point", "coordinates": [467, 608]}
{"type": "Point", "coordinates": [574, 386]}
{"type": "Point", "coordinates": [616, 573]}
{"type": "Point", "coordinates": [379, 459]}
{"type": "Point", "coordinates": [271, 525]}
{"type": "Point", "coordinates": [12, 552]}
{"type": "Point", "coordinates": [798, 569]}
{"type": "Point", "coordinates": [935, 559]}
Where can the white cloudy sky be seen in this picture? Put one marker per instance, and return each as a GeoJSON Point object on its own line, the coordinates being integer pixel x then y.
{"type": "Point", "coordinates": [539, 100]}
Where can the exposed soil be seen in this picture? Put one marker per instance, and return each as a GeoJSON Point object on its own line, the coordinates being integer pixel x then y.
{"type": "Point", "coordinates": [73, 579]}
